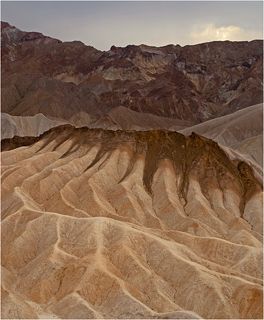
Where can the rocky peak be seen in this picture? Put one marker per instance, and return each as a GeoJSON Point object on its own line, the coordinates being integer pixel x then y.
{"type": "Point", "coordinates": [13, 36]}
{"type": "Point", "coordinates": [5, 25]}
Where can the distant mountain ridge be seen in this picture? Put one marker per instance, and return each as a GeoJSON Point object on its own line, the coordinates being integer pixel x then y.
{"type": "Point", "coordinates": [191, 83]}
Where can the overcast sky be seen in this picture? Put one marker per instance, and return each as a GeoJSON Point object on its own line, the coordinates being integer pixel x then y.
{"type": "Point", "coordinates": [102, 24]}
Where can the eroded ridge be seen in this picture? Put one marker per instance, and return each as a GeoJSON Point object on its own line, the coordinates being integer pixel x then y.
{"type": "Point", "coordinates": [115, 224]}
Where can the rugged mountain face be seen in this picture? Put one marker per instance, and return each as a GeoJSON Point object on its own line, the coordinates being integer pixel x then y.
{"type": "Point", "coordinates": [116, 224]}
{"type": "Point", "coordinates": [193, 83]}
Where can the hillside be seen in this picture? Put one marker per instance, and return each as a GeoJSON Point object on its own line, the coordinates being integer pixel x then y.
{"type": "Point", "coordinates": [241, 131]}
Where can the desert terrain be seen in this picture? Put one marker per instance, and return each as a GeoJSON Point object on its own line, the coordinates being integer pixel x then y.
{"type": "Point", "coordinates": [131, 185]}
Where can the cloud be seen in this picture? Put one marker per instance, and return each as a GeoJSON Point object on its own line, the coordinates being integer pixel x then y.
{"type": "Point", "coordinates": [210, 32]}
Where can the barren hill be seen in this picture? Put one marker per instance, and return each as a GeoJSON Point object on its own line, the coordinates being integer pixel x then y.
{"type": "Point", "coordinates": [131, 222]}
{"type": "Point", "coordinates": [241, 130]}
{"type": "Point", "coordinates": [26, 126]}
{"type": "Point", "coordinates": [116, 224]}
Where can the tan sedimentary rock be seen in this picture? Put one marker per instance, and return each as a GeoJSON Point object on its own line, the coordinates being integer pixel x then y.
{"type": "Point", "coordinates": [103, 224]}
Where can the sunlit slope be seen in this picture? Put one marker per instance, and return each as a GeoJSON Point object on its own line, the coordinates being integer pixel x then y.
{"type": "Point", "coordinates": [103, 224]}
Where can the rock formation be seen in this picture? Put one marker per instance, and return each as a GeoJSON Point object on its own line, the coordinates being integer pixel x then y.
{"type": "Point", "coordinates": [131, 222]}
{"type": "Point", "coordinates": [115, 224]}
{"type": "Point", "coordinates": [191, 83]}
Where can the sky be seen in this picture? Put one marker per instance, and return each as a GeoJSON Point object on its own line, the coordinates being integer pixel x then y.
{"type": "Point", "coordinates": [103, 24]}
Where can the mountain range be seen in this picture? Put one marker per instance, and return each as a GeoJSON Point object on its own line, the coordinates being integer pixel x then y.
{"type": "Point", "coordinates": [131, 180]}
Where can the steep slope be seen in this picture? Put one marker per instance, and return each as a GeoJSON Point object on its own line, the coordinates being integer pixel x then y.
{"type": "Point", "coordinates": [253, 147]}
{"type": "Point", "coordinates": [192, 83]}
{"type": "Point", "coordinates": [123, 118]}
{"type": "Point", "coordinates": [26, 126]}
{"type": "Point", "coordinates": [241, 130]}
{"type": "Point", "coordinates": [140, 225]}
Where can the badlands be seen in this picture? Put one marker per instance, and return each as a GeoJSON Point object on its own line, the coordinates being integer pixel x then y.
{"type": "Point", "coordinates": [115, 224]}
{"type": "Point", "coordinates": [131, 180]}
